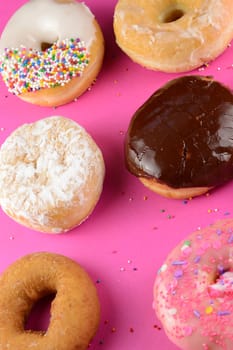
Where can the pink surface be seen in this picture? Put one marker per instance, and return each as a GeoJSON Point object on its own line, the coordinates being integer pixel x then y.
{"type": "Point", "coordinates": [132, 230]}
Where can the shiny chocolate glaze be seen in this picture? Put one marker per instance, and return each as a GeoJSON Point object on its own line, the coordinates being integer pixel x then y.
{"type": "Point", "coordinates": [182, 135]}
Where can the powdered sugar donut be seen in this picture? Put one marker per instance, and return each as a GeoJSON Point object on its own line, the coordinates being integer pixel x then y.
{"type": "Point", "coordinates": [51, 175]}
{"type": "Point", "coordinates": [194, 287]}
{"type": "Point", "coordinates": [51, 51]}
{"type": "Point", "coordinates": [173, 36]}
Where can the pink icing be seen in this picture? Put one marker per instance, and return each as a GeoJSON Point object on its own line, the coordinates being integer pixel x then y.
{"type": "Point", "coordinates": [197, 285]}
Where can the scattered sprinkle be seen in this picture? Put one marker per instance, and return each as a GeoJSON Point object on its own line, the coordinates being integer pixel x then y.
{"type": "Point", "coordinates": [179, 262]}
{"type": "Point", "coordinates": [163, 268]}
{"type": "Point", "coordinates": [223, 313]}
{"type": "Point", "coordinates": [171, 217]}
{"type": "Point", "coordinates": [197, 259]}
{"type": "Point", "coordinates": [186, 244]}
{"type": "Point", "coordinates": [230, 240]}
{"type": "Point", "coordinates": [196, 313]}
{"type": "Point", "coordinates": [219, 232]}
{"type": "Point", "coordinates": [209, 310]}
{"type": "Point", "coordinates": [157, 327]}
{"type": "Point", "coordinates": [178, 273]}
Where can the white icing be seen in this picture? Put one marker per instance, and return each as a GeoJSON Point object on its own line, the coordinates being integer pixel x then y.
{"type": "Point", "coordinates": [48, 21]}
{"type": "Point", "coordinates": [45, 165]}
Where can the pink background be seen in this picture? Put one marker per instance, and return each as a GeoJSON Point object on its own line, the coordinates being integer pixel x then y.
{"type": "Point", "coordinates": [132, 230]}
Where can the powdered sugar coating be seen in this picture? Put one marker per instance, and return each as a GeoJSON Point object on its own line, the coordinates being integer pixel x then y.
{"type": "Point", "coordinates": [46, 165]}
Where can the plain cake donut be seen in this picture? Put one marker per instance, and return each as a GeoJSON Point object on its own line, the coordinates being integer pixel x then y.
{"type": "Point", "coordinates": [75, 309]}
{"type": "Point", "coordinates": [193, 290]}
{"type": "Point", "coordinates": [179, 142]}
{"type": "Point", "coordinates": [51, 174]}
{"type": "Point", "coordinates": [51, 51]}
{"type": "Point", "coordinates": [173, 36]}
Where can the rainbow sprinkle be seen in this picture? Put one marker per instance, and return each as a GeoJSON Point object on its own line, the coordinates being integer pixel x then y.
{"type": "Point", "coordinates": [25, 70]}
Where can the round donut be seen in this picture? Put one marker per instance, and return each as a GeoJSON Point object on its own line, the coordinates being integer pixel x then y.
{"type": "Point", "coordinates": [194, 287]}
{"type": "Point", "coordinates": [75, 310]}
{"type": "Point", "coordinates": [51, 51]}
{"type": "Point", "coordinates": [179, 142]}
{"type": "Point", "coordinates": [51, 175]}
{"type": "Point", "coordinates": [173, 36]}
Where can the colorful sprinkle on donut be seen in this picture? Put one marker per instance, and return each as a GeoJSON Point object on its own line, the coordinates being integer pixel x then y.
{"type": "Point", "coordinates": [25, 70]}
{"type": "Point", "coordinates": [199, 287]}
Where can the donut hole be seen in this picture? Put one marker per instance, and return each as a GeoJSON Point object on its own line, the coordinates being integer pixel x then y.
{"type": "Point", "coordinates": [221, 270]}
{"type": "Point", "coordinates": [172, 15]}
{"type": "Point", "coordinates": [45, 46]}
{"type": "Point", "coordinates": [39, 316]}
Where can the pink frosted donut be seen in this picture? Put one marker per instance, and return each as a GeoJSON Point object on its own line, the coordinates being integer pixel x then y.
{"type": "Point", "coordinates": [193, 291]}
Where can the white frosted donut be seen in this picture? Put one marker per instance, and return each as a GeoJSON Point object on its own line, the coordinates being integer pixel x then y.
{"type": "Point", "coordinates": [51, 51]}
{"type": "Point", "coordinates": [194, 287]}
{"type": "Point", "coordinates": [51, 175]}
{"type": "Point", "coordinates": [173, 36]}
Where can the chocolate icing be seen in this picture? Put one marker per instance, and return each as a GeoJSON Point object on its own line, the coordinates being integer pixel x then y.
{"type": "Point", "coordinates": [182, 135]}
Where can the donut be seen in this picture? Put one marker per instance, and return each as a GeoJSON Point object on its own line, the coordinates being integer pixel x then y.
{"type": "Point", "coordinates": [173, 36]}
{"type": "Point", "coordinates": [75, 309]}
{"type": "Point", "coordinates": [51, 175]}
{"type": "Point", "coordinates": [51, 51]}
{"type": "Point", "coordinates": [193, 290]}
{"type": "Point", "coordinates": [179, 142]}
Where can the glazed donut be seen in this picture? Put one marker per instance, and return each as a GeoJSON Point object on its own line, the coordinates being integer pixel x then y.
{"type": "Point", "coordinates": [75, 310]}
{"type": "Point", "coordinates": [193, 290]}
{"type": "Point", "coordinates": [173, 36]}
{"type": "Point", "coordinates": [51, 175]}
{"type": "Point", "coordinates": [179, 142]}
{"type": "Point", "coordinates": [51, 51]}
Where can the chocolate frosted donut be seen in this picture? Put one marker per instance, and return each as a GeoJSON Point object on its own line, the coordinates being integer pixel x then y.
{"type": "Point", "coordinates": [180, 141]}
